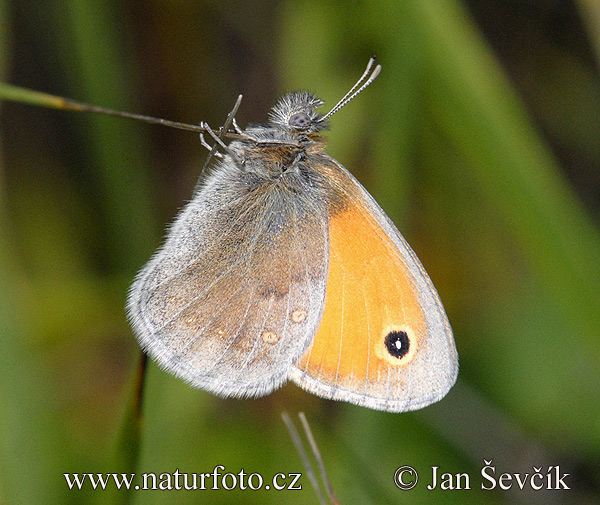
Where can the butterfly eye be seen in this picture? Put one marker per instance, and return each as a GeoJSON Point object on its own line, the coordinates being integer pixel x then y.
{"type": "Point", "coordinates": [397, 344]}
{"type": "Point", "coordinates": [300, 120]}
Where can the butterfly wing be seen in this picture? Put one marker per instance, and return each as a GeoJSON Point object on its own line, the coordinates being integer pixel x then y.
{"type": "Point", "coordinates": [236, 293]}
{"type": "Point", "coordinates": [384, 341]}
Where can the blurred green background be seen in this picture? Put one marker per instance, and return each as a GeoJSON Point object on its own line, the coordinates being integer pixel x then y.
{"type": "Point", "coordinates": [481, 139]}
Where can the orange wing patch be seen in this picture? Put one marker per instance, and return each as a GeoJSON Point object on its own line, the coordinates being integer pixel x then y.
{"type": "Point", "coordinates": [373, 324]}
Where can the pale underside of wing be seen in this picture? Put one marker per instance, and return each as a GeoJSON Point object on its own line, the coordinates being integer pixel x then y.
{"type": "Point", "coordinates": [236, 293]}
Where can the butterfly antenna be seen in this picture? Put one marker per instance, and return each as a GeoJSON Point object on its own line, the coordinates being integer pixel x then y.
{"type": "Point", "coordinates": [357, 88]}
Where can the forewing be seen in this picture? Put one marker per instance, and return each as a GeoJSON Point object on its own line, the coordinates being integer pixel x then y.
{"type": "Point", "coordinates": [384, 341]}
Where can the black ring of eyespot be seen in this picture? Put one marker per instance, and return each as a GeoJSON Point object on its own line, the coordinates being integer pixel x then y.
{"type": "Point", "coordinates": [300, 120]}
{"type": "Point", "coordinates": [397, 343]}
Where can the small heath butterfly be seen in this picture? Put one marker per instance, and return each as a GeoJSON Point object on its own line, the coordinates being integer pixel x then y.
{"type": "Point", "coordinates": [282, 267]}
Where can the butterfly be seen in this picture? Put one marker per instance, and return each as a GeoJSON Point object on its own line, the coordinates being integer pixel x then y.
{"type": "Point", "coordinates": [283, 267]}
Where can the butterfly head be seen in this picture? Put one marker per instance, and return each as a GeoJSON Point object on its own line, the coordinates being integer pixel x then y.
{"type": "Point", "coordinates": [296, 112]}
